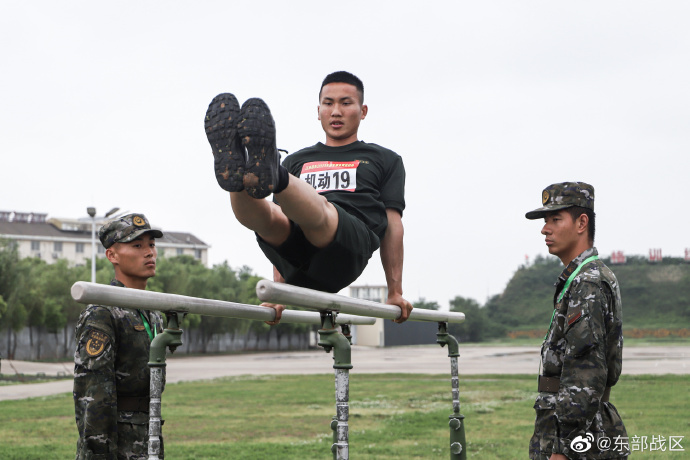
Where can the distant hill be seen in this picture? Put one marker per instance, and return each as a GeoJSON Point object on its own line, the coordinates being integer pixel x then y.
{"type": "Point", "coordinates": [655, 295]}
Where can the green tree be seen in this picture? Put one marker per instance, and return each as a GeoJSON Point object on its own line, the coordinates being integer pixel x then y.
{"type": "Point", "coordinates": [422, 303]}
{"type": "Point", "coordinates": [9, 258]}
{"type": "Point", "coordinates": [61, 310]}
{"type": "Point", "coordinates": [30, 294]}
{"type": "Point", "coordinates": [3, 306]}
{"type": "Point", "coordinates": [477, 326]}
{"type": "Point", "coordinates": [14, 318]}
{"type": "Point", "coordinates": [655, 295]}
{"type": "Point", "coordinates": [527, 298]}
{"type": "Point", "coordinates": [187, 276]}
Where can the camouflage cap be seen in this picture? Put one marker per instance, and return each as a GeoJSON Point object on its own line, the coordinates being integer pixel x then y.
{"type": "Point", "coordinates": [564, 195]}
{"type": "Point", "coordinates": [125, 229]}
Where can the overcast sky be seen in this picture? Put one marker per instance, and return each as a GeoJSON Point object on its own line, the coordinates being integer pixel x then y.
{"type": "Point", "coordinates": [102, 104]}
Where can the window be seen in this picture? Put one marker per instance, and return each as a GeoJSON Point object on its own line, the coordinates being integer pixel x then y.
{"type": "Point", "coordinates": [101, 249]}
{"type": "Point", "coordinates": [57, 246]}
{"type": "Point", "coordinates": [180, 251]}
{"type": "Point", "coordinates": [197, 253]}
{"type": "Point", "coordinates": [80, 248]}
{"type": "Point", "coordinates": [35, 245]}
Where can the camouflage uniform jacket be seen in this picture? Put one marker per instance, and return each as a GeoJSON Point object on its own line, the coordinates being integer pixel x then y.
{"type": "Point", "coordinates": [111, 361]}
{"type": "Point", "coordinates": [584, 349]}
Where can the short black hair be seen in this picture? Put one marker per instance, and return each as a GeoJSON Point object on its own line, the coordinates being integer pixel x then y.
{"type": "Point", "coordinates": [577, 211]}
{"type": "Point", "coordinates": [344, 77]}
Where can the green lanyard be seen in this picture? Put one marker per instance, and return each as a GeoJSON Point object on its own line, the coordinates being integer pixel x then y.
{"type": "Point", "coordinates": [148, 327]}
{"type": "Point", "coordinates": [572, 277]}
{"type": "Point", "coordinates": [567, 285]}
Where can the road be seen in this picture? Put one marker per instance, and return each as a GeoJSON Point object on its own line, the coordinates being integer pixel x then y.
{"type": "Point", "coordinates": [417, 359]}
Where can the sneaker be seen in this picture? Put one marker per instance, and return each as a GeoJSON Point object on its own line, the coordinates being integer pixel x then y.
{"type": "Point", "coordinates": [258, 133]}
{"type": "Point", "coordinates": [228, 153]}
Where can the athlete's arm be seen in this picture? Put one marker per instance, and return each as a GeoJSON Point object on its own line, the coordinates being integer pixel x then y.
{"type": "Point", "coordinates": [392, 261]}
{"type": "Point", "coordinates": [278, 278]}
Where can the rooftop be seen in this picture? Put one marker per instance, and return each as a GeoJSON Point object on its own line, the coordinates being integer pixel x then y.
{"type": "Point", "coordinates": [34, 225]}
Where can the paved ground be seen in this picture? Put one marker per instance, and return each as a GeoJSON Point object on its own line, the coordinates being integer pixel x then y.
{"type": "Point", "coordinates": [421, 359]}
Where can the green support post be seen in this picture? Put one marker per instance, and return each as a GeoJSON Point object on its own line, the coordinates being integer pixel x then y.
{"type": "Point", "coordinates": [331, 339]}
{"type": "Point", "coordinates": [171, 337]}
{"type": "Point", "coordinates": [458, 446]}
{"type": "Point", "coordinates": [334, 429]}
{"type": "Point", "coordinates": [345, 329]}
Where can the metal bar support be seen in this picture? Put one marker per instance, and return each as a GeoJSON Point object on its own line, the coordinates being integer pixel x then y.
{"type": "Point", "coordinates": [331, 339]}
{"type": "Point", "coordinates": [101, 294]}
{"type": "Point", "coordinates": [458, 446]}
{"type": "Point", "coordinates": [269, 291]}
{"type": "Point", "coordinates": [170, 338]}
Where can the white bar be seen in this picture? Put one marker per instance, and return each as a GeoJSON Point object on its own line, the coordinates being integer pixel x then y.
{"type": "Point", "coordinates": [101, 294]}
{"type": "Point", "coordinates": [269, 291]}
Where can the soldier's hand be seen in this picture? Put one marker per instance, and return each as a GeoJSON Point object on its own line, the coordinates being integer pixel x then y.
{"type": "Point", "coordinates": [279, 312]}
{"type": "Point", "coordinates": [405, 307]}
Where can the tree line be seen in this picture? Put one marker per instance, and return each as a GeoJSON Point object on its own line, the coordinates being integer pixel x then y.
{"type": "Point", "coordinates": [655, 296]}
{"type": "Point", "coordinates": [36, 295]}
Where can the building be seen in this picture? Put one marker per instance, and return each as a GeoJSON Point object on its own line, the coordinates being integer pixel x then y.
{"type": "Point", "coordinates": [370, 336]}
{"type": "Point", "coordinates": [35, 235]}
{"type": "Point", "coordinates": [387, 333]}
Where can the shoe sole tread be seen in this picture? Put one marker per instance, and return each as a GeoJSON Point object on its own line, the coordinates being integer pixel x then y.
{"type": "Point", "coordinates": [229, 158]}
{"type": "Point", "coordinates": [258, 133]}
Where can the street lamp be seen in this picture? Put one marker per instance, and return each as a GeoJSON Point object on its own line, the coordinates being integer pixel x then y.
{"type": "Point", "coordinates": [92, 212]}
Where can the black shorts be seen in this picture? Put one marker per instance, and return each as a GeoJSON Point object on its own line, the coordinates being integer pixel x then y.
{"type": "Point", "coordinates": [326, 269]}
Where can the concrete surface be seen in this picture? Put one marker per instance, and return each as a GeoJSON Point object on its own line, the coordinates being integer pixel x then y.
{"type": "Point", "coordinates": [417, 359]}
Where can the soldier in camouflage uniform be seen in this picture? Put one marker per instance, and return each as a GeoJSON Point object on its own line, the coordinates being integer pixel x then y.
{"type": "Point", "coordinates": [111, 373]}
{"type": "Point", "coordinates": [582, 352]}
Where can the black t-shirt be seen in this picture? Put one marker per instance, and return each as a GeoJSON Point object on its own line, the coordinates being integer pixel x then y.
{"type": "Point", "coordinates": [363, 179]}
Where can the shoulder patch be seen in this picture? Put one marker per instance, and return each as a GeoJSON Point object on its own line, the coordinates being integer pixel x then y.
{"type": "Point", "coordinates": [573, 315]}
{"type": "Point", "coordinates": [96, 343]}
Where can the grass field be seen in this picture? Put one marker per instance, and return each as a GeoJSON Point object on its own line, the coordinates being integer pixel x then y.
{"type": "Point", "coordinates": [398, 416]}
{"type": "Point", "coordinates": [629, 342]}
